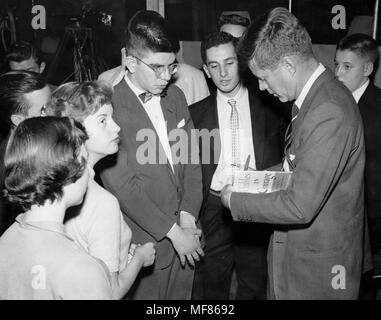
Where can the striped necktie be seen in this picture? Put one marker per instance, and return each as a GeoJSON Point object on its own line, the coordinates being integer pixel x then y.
{"type": "Point", "coordinates": [288, 140]}
{"type": "Point", "coordinates": [234, 126]}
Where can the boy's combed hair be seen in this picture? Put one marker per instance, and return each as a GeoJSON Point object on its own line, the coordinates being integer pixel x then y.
{"type": "Point", "coordinates": [13, 87]}
{"type": "Point", "coordinates": [235, 19]}
{"type": "Point", "coordinates": [215, 39]}
{"type": "Point", "coordinates": [21, 51]}
{"type": "Point", "coordinates": [272, 37]}
{"type": "Point", "coordinates": [41, 158]}
{"type": "Point", "coordinates": [148, 30]}
{"type": "Point", "coordinates": [79, 100]}
{"type": "Point", "coordinates": [361, 44]}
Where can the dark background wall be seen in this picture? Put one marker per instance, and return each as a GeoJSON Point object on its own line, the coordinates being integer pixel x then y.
{"type": "Point", "coordinates": [192, 19]}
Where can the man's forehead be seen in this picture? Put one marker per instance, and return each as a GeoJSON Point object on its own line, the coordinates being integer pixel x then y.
{"type": "Point", "coordinates": [160, 58]}
{"type": "Point", "coordinates": [348, 56]}
{"type": "Point", "coordinates": [258, 72]}
{"type": "Point", "coordinates": [222, 51]}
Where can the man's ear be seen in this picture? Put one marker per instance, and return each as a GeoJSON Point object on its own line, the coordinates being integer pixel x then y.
{"type": "Point", "coordinates": [17, 119]}
{"type": "Point", "coordinates": [368, 69]}
{"type": "Point", "coordinates": [130, 63]}
{"type": "Point", "coordinates": [206, 70]}
{"type": "Point", "coordinates": [42, 67]}
{"type": "Point", "coordinates": [288, 63]}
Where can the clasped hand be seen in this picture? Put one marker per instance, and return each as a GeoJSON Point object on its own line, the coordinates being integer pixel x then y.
{"type": "Point", "coordinates": [186, 242]}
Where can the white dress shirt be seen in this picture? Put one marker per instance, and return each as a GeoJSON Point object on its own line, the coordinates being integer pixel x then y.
{"type": "Point", "coordinates": [155, 113]}
{"type": "Point", "coordinates": [223, 173]}
{"type": "Point", "coordinates": [357, 94]}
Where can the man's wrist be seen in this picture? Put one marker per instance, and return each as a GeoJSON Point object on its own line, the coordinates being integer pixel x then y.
{"type": "Point", "coordinates": [172, 232]}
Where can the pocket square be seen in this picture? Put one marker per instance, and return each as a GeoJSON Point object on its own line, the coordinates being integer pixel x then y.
{"type": "Point", "coordinates": [181, 124]}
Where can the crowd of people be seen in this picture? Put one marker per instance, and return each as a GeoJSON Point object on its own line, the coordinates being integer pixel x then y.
{"type": "Point", "coordinates": [104, 195]}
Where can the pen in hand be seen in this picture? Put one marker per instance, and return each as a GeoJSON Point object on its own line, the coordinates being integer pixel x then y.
{"type": "Point", "coordinates": [246, 167]}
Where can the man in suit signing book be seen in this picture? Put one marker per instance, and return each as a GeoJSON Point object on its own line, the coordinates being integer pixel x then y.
{"type": "Point", "coordinates": [316, 249]}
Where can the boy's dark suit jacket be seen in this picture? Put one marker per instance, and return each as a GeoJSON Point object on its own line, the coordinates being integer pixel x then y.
{"type": "Point", "coordinates": [267, 130]}
{"type": "Point", "coordinates": [316, 250]}
{"type": "Point", "coordinates": [370, 109]}
{"type": "Point", "coordinates": [151, 195]}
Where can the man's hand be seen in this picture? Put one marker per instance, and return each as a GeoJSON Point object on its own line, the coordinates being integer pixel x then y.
{"type": "Point", "coordinates": [186, 244]}
{"type": "Point", "coordinates": [226, 193]}
{"type": "Point", "coordinates": [188, 223]}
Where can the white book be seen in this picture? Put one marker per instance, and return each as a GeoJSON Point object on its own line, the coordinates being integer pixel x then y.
{"type": "Point", "coordinates": [261, 181]}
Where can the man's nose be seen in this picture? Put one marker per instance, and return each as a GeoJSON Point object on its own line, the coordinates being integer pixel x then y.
{"type": "Point", "coordinates": [223, 71]}
{"type": "Point", "coordinates": [262, 85]}
{"type": "Point", "coordinates": [166, 75]}
{"type": "Point", "coordinates": [338, 71]}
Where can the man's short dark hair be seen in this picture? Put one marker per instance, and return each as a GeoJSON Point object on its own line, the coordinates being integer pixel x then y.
{"type": "Point", "coordinates": [272, 37]}
{"type": "Point", "coordinates": [13, 87]}
{"type": "Point", "coordinates": [214, 40]}
{"type": "Point", "coordinates": [21, 51]}
{"type": "Point", "coordinates": [361, 44]}
{"type": "Point", "coordinates": [79, 100]}
{"type": "Point", "coordinates": [41, 158]}
{"type": "Point", "coordinates": [235, 19]}
{"type": "Point", "coordinates": [148, 30]}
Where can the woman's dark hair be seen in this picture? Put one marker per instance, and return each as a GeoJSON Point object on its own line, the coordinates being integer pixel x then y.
{"type": "Point", "coordinates": [41, 158]}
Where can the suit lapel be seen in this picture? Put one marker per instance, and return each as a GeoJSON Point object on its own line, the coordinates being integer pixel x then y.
{"type": "Point", "coordinates": [214, 124]}
{"type": "Point", "coordinates": [169, 113]}
{"type": "Point", "coordinates": [326, 76]}
{"type": "Point", "coordinates": [135, 109]}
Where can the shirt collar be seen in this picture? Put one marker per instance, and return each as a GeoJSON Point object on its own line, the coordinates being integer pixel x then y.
{"type": "Point", "coordinates": [236, 97]}
{"type": "Point", "coordinates": [137, 90]}
{"type": "Point", "coordinates": [357, 94]}
{"type": "Point", "coordinates": [318, 71]}
{"type": "Point", "coordinates": [41, 225]}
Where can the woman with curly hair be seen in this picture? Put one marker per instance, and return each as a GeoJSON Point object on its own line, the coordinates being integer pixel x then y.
{"type": "Point", "coordinates": [99, 226]}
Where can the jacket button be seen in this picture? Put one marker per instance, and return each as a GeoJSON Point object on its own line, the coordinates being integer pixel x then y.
{"type": "Point", "coordinates": [176, 213]}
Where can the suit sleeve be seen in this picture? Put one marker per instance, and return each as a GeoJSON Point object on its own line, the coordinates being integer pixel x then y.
{"type": "Point", "coordinates": [122, 181]}
{"type": "Point", "coordinates": [192, 182]}
{"type": "Point", "coordinates": [321, 156]}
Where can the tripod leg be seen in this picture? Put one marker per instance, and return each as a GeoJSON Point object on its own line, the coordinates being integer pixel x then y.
{"type": "Point", "coordinates": [58, 55]}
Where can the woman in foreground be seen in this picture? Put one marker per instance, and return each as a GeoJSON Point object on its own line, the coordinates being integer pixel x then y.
{"type": "Point", "coordinates": [46, 173]}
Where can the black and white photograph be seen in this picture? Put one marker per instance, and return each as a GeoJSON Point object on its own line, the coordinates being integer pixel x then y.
{"type": "Point", "coordinates": [198, 155]}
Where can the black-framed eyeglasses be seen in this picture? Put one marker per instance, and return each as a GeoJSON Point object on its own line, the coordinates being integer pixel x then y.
{"type": "Point", "coordinates": [159, 70]}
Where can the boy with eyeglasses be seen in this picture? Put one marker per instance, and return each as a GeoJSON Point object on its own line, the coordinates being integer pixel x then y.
{"type": "Point", "coordinates": [160, 199]}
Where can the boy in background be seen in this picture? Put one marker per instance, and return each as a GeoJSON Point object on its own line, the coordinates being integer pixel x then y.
{"type": "Point", "coordinates": [355, 60]}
